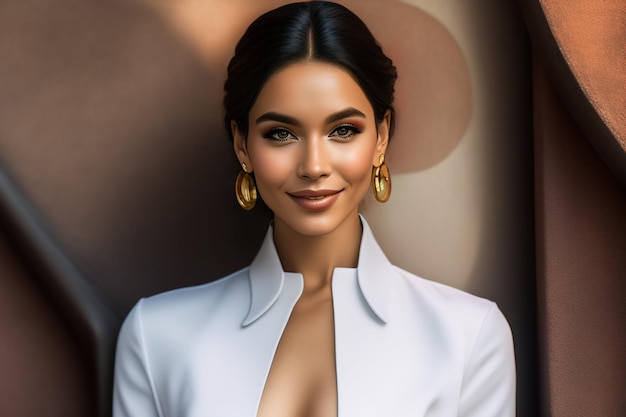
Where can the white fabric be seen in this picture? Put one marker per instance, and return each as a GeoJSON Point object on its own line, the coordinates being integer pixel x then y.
{"type": "Point", "coordinates": [405, 346]}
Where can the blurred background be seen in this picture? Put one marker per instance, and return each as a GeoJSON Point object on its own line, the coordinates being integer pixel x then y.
{"type": "Point", "coordinates": [116, 180]}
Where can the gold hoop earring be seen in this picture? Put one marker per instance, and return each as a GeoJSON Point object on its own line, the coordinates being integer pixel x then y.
{"type": "Point", "coordinates": [381, 181]}
{"type": "Point", "coordinates": [245, 189]}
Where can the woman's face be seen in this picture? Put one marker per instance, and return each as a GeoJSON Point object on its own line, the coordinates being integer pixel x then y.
{"type": "Point", "coordinates": [312, 141]}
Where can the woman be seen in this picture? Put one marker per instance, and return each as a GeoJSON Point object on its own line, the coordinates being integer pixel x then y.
{"type": "Point", "coordinates": [320, 324]}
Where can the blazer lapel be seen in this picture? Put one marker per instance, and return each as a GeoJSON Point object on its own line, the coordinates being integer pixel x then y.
{"type": "Point", "coordinates": [362, 323]}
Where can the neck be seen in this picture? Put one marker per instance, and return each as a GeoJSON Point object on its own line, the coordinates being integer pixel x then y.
{"type": "Point", "coordinates": [316, 257]}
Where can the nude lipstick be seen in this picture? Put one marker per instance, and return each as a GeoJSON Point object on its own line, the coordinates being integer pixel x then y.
{"type": "Point", "coordinates": [315, 200]}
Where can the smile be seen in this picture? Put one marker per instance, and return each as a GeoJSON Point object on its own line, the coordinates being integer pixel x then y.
{"type": "Point", "coordinates": [315, 200]}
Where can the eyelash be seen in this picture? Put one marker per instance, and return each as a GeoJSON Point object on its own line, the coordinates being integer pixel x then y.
{"type": "Point", "coordinates": [272, 135]}
{"type": "Point", "coordinates": [352, 131]}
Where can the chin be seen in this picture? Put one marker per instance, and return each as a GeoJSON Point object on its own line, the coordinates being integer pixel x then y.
{"type": "Point", "coordinates": [315, 224]}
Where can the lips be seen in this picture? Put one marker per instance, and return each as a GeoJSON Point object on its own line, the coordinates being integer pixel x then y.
{"type": "Point", "coordinates": [315, 200]}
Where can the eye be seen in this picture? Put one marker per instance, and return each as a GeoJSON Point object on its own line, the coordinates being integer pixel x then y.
{"type": "Point", "coordinates": [279, 135]}
{"type": "Point", "coordinates": [345, 132]}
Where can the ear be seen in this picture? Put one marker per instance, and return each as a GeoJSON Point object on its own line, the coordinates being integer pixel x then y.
{"type": "Point", "coordinates": [240, 145]}
{"type": "Point", "coordinates": [383, 137]}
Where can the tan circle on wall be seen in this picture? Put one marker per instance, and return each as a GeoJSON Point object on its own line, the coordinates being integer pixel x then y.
{"type": "Point", "coordinates": [433, 91]}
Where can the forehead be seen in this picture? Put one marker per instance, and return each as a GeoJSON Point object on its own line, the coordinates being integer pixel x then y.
{"type": "Point", "coordinates": [309, 89]}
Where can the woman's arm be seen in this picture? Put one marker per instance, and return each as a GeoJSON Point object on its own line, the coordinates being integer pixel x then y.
{"type": "Point", "coordinates": [133, 389]}
{"type": "Point", "coordinates": [489, 379]}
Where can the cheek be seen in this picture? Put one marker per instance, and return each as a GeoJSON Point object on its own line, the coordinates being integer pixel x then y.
{"type": "Point", "coordinates": [356, 162]}
{"type": "Point", "coordinates": [270, 167]}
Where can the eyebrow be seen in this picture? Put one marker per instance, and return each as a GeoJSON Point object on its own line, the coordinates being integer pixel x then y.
{"type": "Point", "coordinates": [341, 114]}
{"type": "Point", "coordinates": [277, 117]}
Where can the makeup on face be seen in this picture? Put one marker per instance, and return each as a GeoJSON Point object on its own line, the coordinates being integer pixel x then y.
{"type": "Point", "coordinates": [311, 143]}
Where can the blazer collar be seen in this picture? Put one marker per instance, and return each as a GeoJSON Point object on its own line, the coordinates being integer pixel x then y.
{"type": "Point", "coordinates": [374, 273]}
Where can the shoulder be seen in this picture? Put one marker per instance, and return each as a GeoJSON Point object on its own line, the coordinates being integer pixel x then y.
{"type": "Point", "coordinates": [469, 319]}
{"type": "Point", "coordinates": [441, 297]}
{"type": "Point", "coordinates": [181, 299]}
{"type": "Point", "coordinates": [154, 342]}
{"type": "Point", "coordinates": [182, 310]}
{"type": "Point", "coordinates": [476, 329]}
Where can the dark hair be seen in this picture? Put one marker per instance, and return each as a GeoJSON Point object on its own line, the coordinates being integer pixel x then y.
{"type": "Point", "coordinates": [314, 30]}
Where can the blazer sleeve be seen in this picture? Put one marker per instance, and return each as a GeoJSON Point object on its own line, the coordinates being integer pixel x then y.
{"type": "Point", "coordinates": [489, 380]}
{"type": "Point", "coordinates": [133, 389]}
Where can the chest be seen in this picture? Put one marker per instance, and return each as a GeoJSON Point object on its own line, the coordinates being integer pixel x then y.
{"type": "Point", "coordinates": [302, 377]}
{"type": "Point", "coordinates": [406, 367]}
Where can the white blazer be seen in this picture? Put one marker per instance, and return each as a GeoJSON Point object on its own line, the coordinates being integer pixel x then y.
{"type": "Point", "coordinates": [405, 346]}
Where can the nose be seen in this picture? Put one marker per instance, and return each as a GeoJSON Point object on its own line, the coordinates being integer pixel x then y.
{"type": "Point", "coordinates": [314, 159]}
